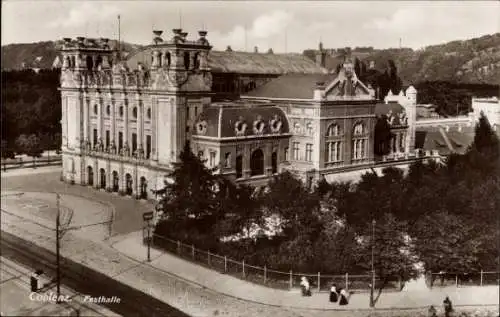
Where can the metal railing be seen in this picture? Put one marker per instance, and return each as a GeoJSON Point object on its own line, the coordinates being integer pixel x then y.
{"type": "Point", "coordinates": [480, 278]}
{"type": "Point", "coordinates": [267, 276]}
{"type": "Point", "coordinates": [33, 162]}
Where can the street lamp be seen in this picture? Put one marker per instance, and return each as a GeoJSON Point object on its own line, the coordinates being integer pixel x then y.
{"type": "Point", "coordinates": [372, 288]}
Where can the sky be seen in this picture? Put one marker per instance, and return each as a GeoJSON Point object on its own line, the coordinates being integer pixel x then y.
{"type": "Point", "coordinates": [290, 26]}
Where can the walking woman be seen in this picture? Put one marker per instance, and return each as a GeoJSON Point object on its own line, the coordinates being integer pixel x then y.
{"type": "Point", "coordinates": [333, 294]}
{"type": "Point", "coordinates": [343, 297]}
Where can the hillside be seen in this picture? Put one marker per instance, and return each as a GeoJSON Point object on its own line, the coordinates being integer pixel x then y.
{"type": "Point", "coordinates": [39, 55]}
{"type": "Point", "coordinates": [470, 61]}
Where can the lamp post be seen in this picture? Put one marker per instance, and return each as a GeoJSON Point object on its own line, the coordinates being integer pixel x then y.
{"type": "Point", "coordinates": [372, 288]}
{"type": "Point", "coordinates": [58, 246]}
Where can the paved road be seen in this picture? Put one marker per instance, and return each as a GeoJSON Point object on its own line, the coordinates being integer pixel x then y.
{"type": "Point", "coordinates": [128, 211]}
{"type": "Point", "coordinates": [132, 301]}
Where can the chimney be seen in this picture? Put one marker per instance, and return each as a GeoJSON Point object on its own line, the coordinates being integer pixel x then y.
{"type": "Point", "coordinates": [321, 59]}
{"type": "Point", "coordinates": [229, 49]}
{"type": "Point", "coordinates": [256, 49]}
{"type": "Point", "coordinates": [270, 51]}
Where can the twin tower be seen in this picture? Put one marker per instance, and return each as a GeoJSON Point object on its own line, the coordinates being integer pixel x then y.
{"type": "Point", "coordinates": [131, 121]}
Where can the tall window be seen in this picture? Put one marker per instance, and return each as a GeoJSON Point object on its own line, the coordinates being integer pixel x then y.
{"type": "Point", "coordinates": [309, 128]}
{"type": "Point", "coordinates": [134, 112]}
{"type": "Point", "coordinates": [148, 146]}
{"type": "Point", "coordinates": [227, 160]}
{"type": "Point", "coordinates": [287, 155]}
{"type": "Point", "coordinates": [212, 159]}
{"type": "Point", "coordinates": [134, 142]}
{"type": "Point", "coordinates": [239, 166]}
{"type": "Point", "coordinates": [95, 137]}
{"type": "Point", "coordinates": [359, 142]}
{"type": "Point", "coordinates": [359, 149]}
{"type": "Point", "coordinates": [309, 150]}
{"type": "Point", "coordinates": [333, 130]}
{"type": "Point", "coordinates": [107, 138]}
{"type": "Point", "coordinates": [274, 163]}
{"type": "Point", "coordinates": [187, 113]}
{"type": "Point", "coordinates": [296, 151]}
{"type": "Point", "coordinates": [333, 151]}
{"type": "Point", "coordinates": [120, 140]}
{"type": "Point", "coordinates": [401, 141]}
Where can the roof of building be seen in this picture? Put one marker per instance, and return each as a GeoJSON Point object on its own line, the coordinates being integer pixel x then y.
{"type": "Point", "coordinates": [232, 120]}
{"type": "Point", "coordinates": [291, 86]}
{"type": "Point", "coordinates": [244, 62]}
{"type": "Point", "coordinates": [446, 141]}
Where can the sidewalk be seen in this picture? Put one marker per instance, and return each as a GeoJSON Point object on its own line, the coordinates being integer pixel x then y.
{"type": "Point", "coordinates": [202, 292]}
{"type": "Point", "coordinates": [131, 245]}
{"type": "Point", "coordinates": [16, 297]}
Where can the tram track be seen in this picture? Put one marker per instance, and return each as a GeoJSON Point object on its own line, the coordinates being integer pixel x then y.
{"type": "Point", "coordinates": [85, 280]}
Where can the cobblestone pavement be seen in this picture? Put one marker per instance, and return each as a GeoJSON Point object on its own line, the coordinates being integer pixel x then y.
{"type": "Point", "coordinates": [16, 298]}
{"type": "Point", "coordinates": [178, 291]}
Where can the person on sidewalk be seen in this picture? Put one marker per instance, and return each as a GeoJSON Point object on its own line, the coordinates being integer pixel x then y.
{"type": "Point", "coordinates": [344, 299]}
{"type": "Point", "coordinates": [305, 286]}
{"type": "Point", "coordinates": [448, 308]}
{"type": "Point", "coordinates": [333, 294]}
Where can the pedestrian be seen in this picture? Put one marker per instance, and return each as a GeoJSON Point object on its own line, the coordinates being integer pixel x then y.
{"type": "Point", "coordinates": [432, 311]}
{"type": "Point", "coordinates": [343, 297]}
{"type": "Point", "coordinates": [305, 286]}
{"type": "Point", "coordinates": [333, 294]}
{"type": "Point", "coordinates": [448, 307]}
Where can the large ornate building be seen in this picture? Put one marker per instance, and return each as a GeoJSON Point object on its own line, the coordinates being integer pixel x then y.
{"type": "Point", "coordinates": [123, 128]}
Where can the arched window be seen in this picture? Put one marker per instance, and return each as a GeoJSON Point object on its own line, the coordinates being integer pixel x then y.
{"type": "Point", "coordinates": [134, 112]}
{"type": "Point", "coordinates": [121, 111]}
{"type": "Point", "coordinates": [108, 110]}
{"type": "Point", "coordinates": [239, 166]}
{"type": "Point", "coordinates": [102, 173]}
{"type": "Point", "coordinates": [90, 63]}
{"type": "Point", "coordinates": [95, 109]}
{"type": "Point", "coordinates": [186, 60]}
{"type": "Point", "coordinates": [128, 184]}
{"type": "Point", "coordinates": [257, 163]}
{"type": "Point", "coordinates": [115, 181]}
{"type": "Point", "coordinates": [333, 130]}
{"type": "Point", "coordinates": [143, 188]}
{"type": "Point", "coordinates": [309, 128]}
{"type": "Point", "coordinates": [160, 59]}
{"type": "Point", "coordinates": [149, 113]}
{"type": "Point", "coordinates": [98, 61]}
{"type": "Point", "coordinates": [296, 128]}
{"type": "Point", "coordinates": [359, 129]}
{"type": "Point", "coordinates": [196, 60]}
{"type": "Point", "coordinates": [274, 162]}
{"type": "Point", "coordinates": [167, 59]}
{"type": "Point", "coordinates": [90, 176]}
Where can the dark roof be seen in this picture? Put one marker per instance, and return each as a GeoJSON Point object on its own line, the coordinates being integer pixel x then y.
{"type": "Point", "coordinates": [433, 138]}
{"type": "Point", "coordinates": [224, 118]}
{"type": "Point", "coordinates": [244, 62]}
{"type": "Point", "coordinates": [292, 86]}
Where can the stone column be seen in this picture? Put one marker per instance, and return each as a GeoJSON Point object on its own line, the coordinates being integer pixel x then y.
{"type": "Point", "coordinates": [140, 120]}
{"type": "Point", "coordinates": [125, 123]}
{"type": "Point", "coordinates": [95, 171]}
{"type": "Point", "coordinates": [113, 120]}
{"type": "Point", "coordinates": [268, 151]}
{"type": "Point", "coordinates": [109, 178]}
{"type": "Point", "coordinates": [246, 161]}
{"type": "Point", "coordinates": [85, 118]}
{"type": "Point", "coordinates": [154, 148]}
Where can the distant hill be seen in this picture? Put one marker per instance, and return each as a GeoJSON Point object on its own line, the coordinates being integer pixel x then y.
{"type": "Point", "coordinates": [39, 55]}
{"type": "Point", "coordinates": [470, 61]}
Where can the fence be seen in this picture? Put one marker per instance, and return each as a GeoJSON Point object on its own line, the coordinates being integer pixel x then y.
{"type": "Point", "coordinates": [481, 278]}
{"type": "Point", "coordinates": [19, 162]}
{"type": "Point", "coordinates": [266, 276]}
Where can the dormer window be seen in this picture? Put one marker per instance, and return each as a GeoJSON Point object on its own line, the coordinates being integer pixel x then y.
{"type": "Point", "coordinates": [240, 127]}
{"type": "Point", "coordinates": [258, 126]}
{"type": "Point", "coordinates": [359, 129]}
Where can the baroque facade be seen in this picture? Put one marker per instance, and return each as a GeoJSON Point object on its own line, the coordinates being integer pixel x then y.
{"type": "Point", "coordinates": [123, 128]}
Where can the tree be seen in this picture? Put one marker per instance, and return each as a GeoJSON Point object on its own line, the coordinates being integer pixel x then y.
{"type": "Point", "coordinates": [392, 254]}
{"type": "Point", "coordinates": [7, 151]}
{"type": "Point", "coordinates": [192, 194]}
{"type": "Point", "coordinates": [484, 152]}
{"type": "Point", "coordinates": [30, 145]}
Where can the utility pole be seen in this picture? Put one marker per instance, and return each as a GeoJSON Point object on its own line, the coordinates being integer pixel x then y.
{"type": "Point", "coordinates": [58, 271]}
{"type": "Point", "coordinates": [372, 288]}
